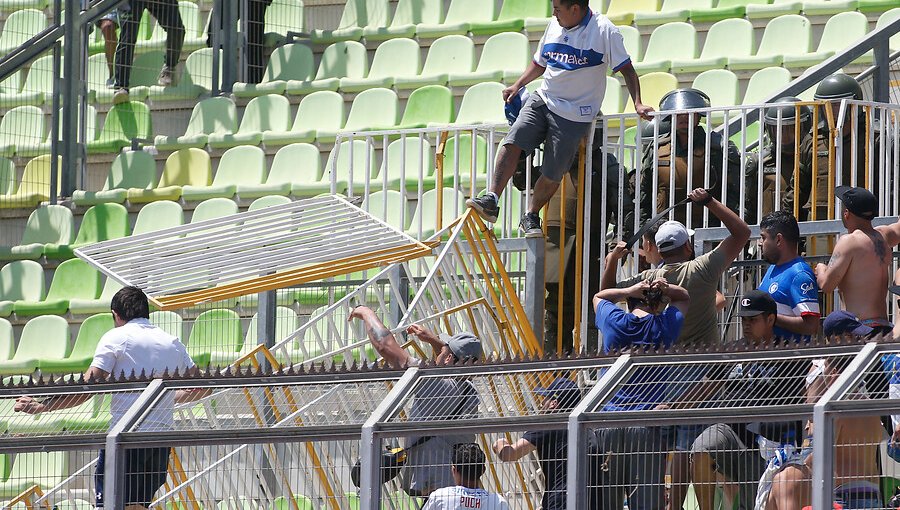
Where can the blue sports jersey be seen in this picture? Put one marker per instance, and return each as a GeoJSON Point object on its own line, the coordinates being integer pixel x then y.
{"type": "Point", "coordinates": [793, 286]}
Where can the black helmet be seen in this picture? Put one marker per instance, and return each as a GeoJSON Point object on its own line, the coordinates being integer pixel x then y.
{"type": "Point", "coordinates": [838, 86]}
{"type": "Point", "coordinates": [648, 129]}
{"type": "Point", "coordinates": [683, 99]}
{"type": "Point", "coordinates": [788, 112]}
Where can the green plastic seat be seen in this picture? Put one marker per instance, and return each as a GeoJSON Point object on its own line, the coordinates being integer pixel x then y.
{"type": "Point", "coordinates": [144, 74]}
{"type": "Point", "coordinates": [101, 223]}
{"type": "Point", "coordinates": [461, 15]}
{"type": "Point", "coordinates": [214, 115]}
{"type": "Point", "coordinates": [407, 15]}
{"type": "Point", "coordinates": [15, 5]}
{"type": "Point", "coordinates": [622, 12]}
{"type": "Point", "coordinates": [30, 150]}
{"type": "Point", "coordinates": [343, 59]}
{"type": "Point", "coordinates": [42, 337]}
{"type": "Point", "coordinates": [875, 5]}
{"type": "Point", "coordinates": [285, 324]}
{"type": "Point", "coordinates": [319, 114]}
{"type": "Point", "coordinates": [21, 280]}
{"type": "Point", "coordinates": [49, 225]}
{"type": "Point", "coordinates": [11, 91]}
{"type": "Point", "coordinates": [403, 170]}
{"type": "Point", "coordinates": [282, 18]}
{"type": "Point", "coordinates": [193, 30]}
{"type": "Point", "coordinates": [653, 87]}
{"type": "Point", "coordinates": [633, 45]}
{"type": "Point", "coordinates": [268, 201]}
{"type": "Point", "coordinates": [195, 79]}
{"type": "Point", "coordinates": [21, 125]}
{"type": "Point", "coordinates": [44, 469]}
{"type": "Point", "coordinates": [466, 166]}
{"type": "Point", "coordinates": [726, 38]}
{"type": "Point", "coordinates": [124, 122]}
{"type": "Point", "coordinates": [7, 176]}
{"type": "Point", "coordinates": [19, 27]}
{"type": "Point", "coordinates": [158, 216]}
{"type": "Point", "coordinates": [389, 206]}
{"type": "Point", "coordinates": [774, 9]}
{"type": "Point", "coordinates": [362, 152]}
{"type": "Point", "coordinates": [357, 15]}
{"type": "Point", "coordinates": [290, 162]}
{"type": "Point", "coordinates": [73, 279]}
{"type": "Point", "coordinates": [303, 503]}
{"type": "Point", "coordinates": [424, 220]}
{"type": "Point", "coordinates": [725, 9]}
{"type": "Point", "coordinates": [82, 353]}
{"type": "Point", "coordinates": [7, 349]}
{"type": "Point", "coordinates": [450, 54]}
{"type": "Point", "coordinates": [34, 187]}
{"type": "Point", "coordinates": [183, 167]}
{"type": "Point", "coordinates": [97, 74]}
{"type": "Point", "coordinates": [671, 10]}
{"type": "Point", "coordinates": [396, 57]}
{"type": "Point", "coordinates": [99, 305]}
{"type": "Point", "coordinates": [213, 208]}
{"type": "Point", "coordinates": [785, 35]}
{"type": "Point", "coordinates": [764, 83]}
{"type": "Point", "coordinates": [677, 40]}
{"type": "Point", "coordinates": [168, 321]}
{"type": "Point", "coordinates": [503, 58]}
{"type": "Point", "coordinates": [288, 62]}
{"type": "Point", "coordinates": [482, 104]}
{"type": "Point", "coordinates": [612, 98]}
{"type": "Point", "coordinates": [720, 84]}
{"type": "Point", "coordinates": [431, 105]}
{"type": "Point", "coordinates": [216, 330]}
{"type": "Point", "coordinates": [38, 87]}
{"type": "Point", "coordinates": [373, 109]}
{"type": "Point", "coordinates": [512, 16]}
{"type": "Point", "coordinates": [886, 19]}
{"type": "Point", "coordinates": [264, 113]}
{"type": "Point", "coordinates": [239, 165]}
{"type": "Point", "coordinates": [131, 169]}
{"type": "Point", "coordinates": [841, 30]}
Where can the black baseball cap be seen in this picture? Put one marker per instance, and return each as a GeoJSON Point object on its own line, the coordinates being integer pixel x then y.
{"type": "Point", "coordinates": [564, 390]}
{"type": "Point", "coordinates": [859, 201]}
{"type": "Point", "coordinates": [756, 302]}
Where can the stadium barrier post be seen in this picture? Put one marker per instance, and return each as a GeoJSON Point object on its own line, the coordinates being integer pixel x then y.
{"type": "Point", "coordinates": [534, 285]}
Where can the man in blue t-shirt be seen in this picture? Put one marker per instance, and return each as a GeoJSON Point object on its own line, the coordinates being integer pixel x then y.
{"type": "Point", "coordinates": [789, 279]}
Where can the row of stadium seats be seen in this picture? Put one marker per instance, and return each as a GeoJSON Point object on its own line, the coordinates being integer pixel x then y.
{"type": "Point", "coordinates": [655, 12]}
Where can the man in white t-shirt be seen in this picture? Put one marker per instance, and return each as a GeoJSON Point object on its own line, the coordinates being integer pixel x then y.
{"type": "Point", "coordinates": [134, 346]}
{"type": "Point", "coordinates": [467, 467]}
{"type": "Point", "coordinates": [573, 56]}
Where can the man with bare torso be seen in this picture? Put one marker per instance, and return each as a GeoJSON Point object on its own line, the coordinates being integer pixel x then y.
{"type": "Point", "coordinates": [861, 259]}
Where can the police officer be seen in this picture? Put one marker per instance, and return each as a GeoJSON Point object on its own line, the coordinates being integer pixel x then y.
{"type": "Point", "coordinates": [673, 155]}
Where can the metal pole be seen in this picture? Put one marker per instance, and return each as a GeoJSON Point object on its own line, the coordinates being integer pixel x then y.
{"type": "Point", "coordinates": [882, 79]}
{"type": "Point", "coordinates": [70, 87]}
{"type": "Point", "coordinates": [266, 315]}
{"type": "Point", "coordinates": [535, 285]}
{"type": "Point", "coordinates": [229, 45]}
{"type": "Point", "coordinates": [54, 119]}
{"type": "Point", "coordinates": [398, 279]}
{"type": "Point", "coordinates": [243, 47]}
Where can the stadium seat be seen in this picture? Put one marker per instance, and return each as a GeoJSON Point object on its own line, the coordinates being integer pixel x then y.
{"type": "Point", "coordinates": [124, 122]}
{"type": "Point", "coordinates": [512, 16]}
{"type": "Point", "coordinates": [720, 84]}
{"type": "Point", "coordinates": [285, 324]}
{"type": "Point", "coordinates": [76, 504]}
{"type": "Point", "coordinates": [622, 12]}
{"type": "Point", "coordinates": [875, 5]}
{"type": "Point", "coordinates": [407, 15]}
{"type": "Point", "coordinates": [725, 9]}
{"type": "Point", "coordinates": [183, 167]}
{"type": "Point", "coordinates": [157, 216]}
{"type": "Point", "coordinates": [885, 19]}
{"type": "Point", "coordinates": [510, 205]}
{"type": "Point", "coordinates": [214, 115]}
{"type": "Point", "coordinates": [213, 208]}
{"type": "Point", "coordinates": [828, 7]}
{"type": "Point", "coordinates": [49, 225]}
{"type": "Point", "coordinates": [11, 91]}
{"type": "Point", "coordinates": [99, 305]}
{"type": "Point", "coordinates": [268, 201]}
{"type": "Point", "coordinates": [195, 79]}
{"type": "Point", "coordinates": [282, 503]}
{"type": "Point", "coordinates": [217, 330]}
{"type": "Point", "coordinates": [345, 59]}
{"type": "Point", "coordinates": [100, 223]}
{"type": "Point", "coordinates": [42, 337]}
{"type": "Point", "coordinates": [83, 351]}
{"type": "Point", "coordinates": [357, 15]}
{"type": "Point", "coordinates": [290, 162]}
{"type": "Point", "coordinates": [726, 38]}
{"type": "Point", "coordinates": [44, 469]}
{"type": "Point", "coordinates": [282, 18]}
{"type": "Point", "coordinates": [130, 169]}
{"type": "Point", "coordinates": [288, 62]}
{"type": "Point", "coordinates": [465, 168]}
{"type": "Point", "coordinates": [671, 41]}
{"type": "Point", "coordinates": [424, 219]}
{"type": "Point", "coordinates": [373, 109]}
{"type": "Point", "coordinates": [428, 106]}
{"type": "Point", "coordinates": [764, 83]}
{"type": "Point", "coordinates": [30, 150]}
{"type": "Point", "coordinates": [612, 98]}
{"type": "Point", "coordinates": [7, 349]}
{"type": "Point", "coordinates": [632, 39]}
{"type": "Point", "coordinates": [396, 57]}
{"type": "Point", "coordinates": [97, 74]}
{"type": "Point", "coordinates": [774, 9]}
{"type": "Point", "coordinates": [21, 125]}
{"type": "Point", "coordinates": [319, 114]}
{"type": "Point", "coordinates": [402, 170]}
{"type": "Point", "coordinates": [73, 279]}
{"type": "Point", "coordinates": [239, 165]}
{"type": "Point", "coordinates": [450, 54]}
{"type": "Point", "coordinates": [841, 30]}
{"type": "Point", "coordinates": [653, 87]}
{"type": "Point", "coordinates": [503, 58]}
{"type": "Point", "coordinates": [38, 86]}
{"type": "Point", "coordinates": [343, 166]}
{"type": "Point", "coordinates": [790, 34]}
{"type": "Point", "coordinates": [19, 27]}
{"type": "Point", "coordinates": [21, 280]}
{"type": "Point", "coordinates": [671, 10]}
{"type": "Point", "coordinates": [482, 104]}
{"type": "Point", "coordinates": [193, 31]}
{"type": "Point", "coordinates": [389, 206]}
{"type": "Point", "coordinates": [264, 113]}
{"type": "Point", "coordinates": [144, 74]}
{"type": "Point", "coordinates": [7, 176]}
{"type": "Point", "coordinates": [461, 15]}
{"type": "Point", "coordinates": [15, 5]}
{"type": "Point", "coordinates": [168, 321]}
{"type": "Point", "coordinates": [34, 187]}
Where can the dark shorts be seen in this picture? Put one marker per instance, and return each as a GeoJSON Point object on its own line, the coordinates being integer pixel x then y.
{"type": "Point", "coordinates": [738, 462]}
{"type": "Point", "coordinates": [145, 473]}
{"type": "Point", "coordinates": [535, 125]}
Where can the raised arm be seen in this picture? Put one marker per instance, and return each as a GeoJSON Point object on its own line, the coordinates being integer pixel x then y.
{"type": "Point", "coordinates": [678, 296]}
{"type": "Point", "coordinates": [615, 295]}
{"type": "Point", "coordinates": [891, 233]}
{"type": "Point", "coordinates": [611, 265]}
{"type": "Point", "coordinates": [509, 452]}
{"type": "Point", "coordinates": [634, 88]}
{"type": "Point", "coordinates": [829, 276]}
{"type": "Point", "coordinates": [739, 232]}
{"type": "Point", "coordinates": [381, 337]}
{"type": "Point", "coordinates": [532, 72]}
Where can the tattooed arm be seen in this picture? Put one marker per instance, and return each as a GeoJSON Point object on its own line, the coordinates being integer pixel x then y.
{"type": "Point", "coordinates": [381, 338]}
{"type": "Point", "coordinates": [829, 276]}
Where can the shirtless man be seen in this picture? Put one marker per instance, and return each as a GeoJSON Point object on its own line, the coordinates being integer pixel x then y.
{"type": "Point", "coordinates": [864, 253]}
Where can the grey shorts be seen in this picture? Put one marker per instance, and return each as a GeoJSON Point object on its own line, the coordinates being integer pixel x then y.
{"type": "Point", "coordinates": [561, 137]}
{"type": "Point", "coordinates": [628, 463]}
{"type": "Point", "coordinates": [738, 462]}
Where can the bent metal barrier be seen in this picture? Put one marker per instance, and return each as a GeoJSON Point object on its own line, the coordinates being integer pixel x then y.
{"type": "Point", "coordinates": [290, 439]}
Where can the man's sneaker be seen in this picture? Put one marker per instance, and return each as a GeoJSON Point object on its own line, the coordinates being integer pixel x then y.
{"type": "Point", "coordinates": [531, 225]}
{"type": "Point", "coordinates": [485, 206]}
{"type": "Point", "coordinates": [120, 96]}
{"type": "Point", "coordinates": [166, 76]}
{"type": "Point", "coordinates": [110, 83]}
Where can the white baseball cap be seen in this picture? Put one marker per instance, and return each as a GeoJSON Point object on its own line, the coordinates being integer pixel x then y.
{"type": "Point", "coordinates": [671, 235]}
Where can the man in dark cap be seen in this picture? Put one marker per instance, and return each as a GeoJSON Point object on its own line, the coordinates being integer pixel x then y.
{"type": "Point", "coordinates": [860, 262]}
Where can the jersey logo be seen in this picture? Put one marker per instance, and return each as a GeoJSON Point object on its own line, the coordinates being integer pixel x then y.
{"type": "Point", "coordinates": [773, 288]}
{"type": "Point", "coordinates": [563, 56]}
{"type": "Point", "coordinates": [586, 111]}
{"type": "Point", "coordinates": [807, 287]}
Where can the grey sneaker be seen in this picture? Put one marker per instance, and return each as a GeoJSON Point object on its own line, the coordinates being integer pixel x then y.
{"type": "Point", "coordinates": [485, 206]}
{"type": "Point", "coordinates": [120, 96]}
{"type": "Point", "coordinates": [531, 225]}
{"type": "Point", "coordinates": [110, 83]}
{"type": "Point", "coordinates": [166, 77]}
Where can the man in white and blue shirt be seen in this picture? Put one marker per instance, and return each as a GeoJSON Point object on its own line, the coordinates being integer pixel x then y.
{"type": "Point", "coordinates": [573, 56]}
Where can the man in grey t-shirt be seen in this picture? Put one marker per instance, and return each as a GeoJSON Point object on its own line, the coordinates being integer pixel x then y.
{"type": "Point", "coordinates": [427, 466]}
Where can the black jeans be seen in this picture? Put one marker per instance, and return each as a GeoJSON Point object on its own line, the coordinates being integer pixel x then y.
{"type": "Point", "coordinates": [167, 15]}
